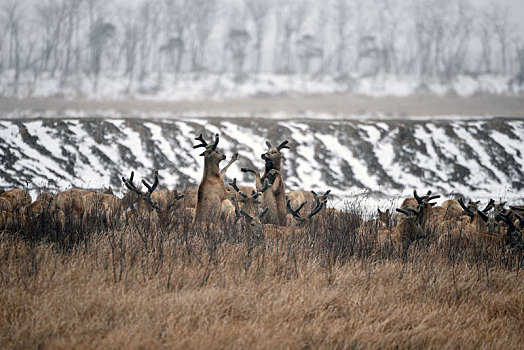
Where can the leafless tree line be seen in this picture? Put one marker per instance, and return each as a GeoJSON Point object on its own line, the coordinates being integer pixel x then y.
{"type": "Point", "coordinates": [432, 39]}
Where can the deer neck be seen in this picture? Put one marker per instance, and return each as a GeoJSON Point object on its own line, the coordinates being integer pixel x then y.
{"type": "Point", "coordinates": [211, 169]}
{"type": "Point", "coordinates": [270, 166]}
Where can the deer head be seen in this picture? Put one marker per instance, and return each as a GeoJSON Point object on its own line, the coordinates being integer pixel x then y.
{"type": "Point", "coordinates": [472, 207]}
{"type": "Point", "coordinates": [255, 222]}
{"type": "Point", "coordinates": [514, 233]}
{"type": "Point", "coordinates": [384, 216]}
{"type": "Point", "coordinates": [211, 154]}
{"type": "Point", "coordinates": [249, 202]}
{"type": "Point", "coordinates": [492, 225]}
{"type": "Point", "coordinates": [273, 157]}
{"type": "Point", "coordinates": [409, 227]}
{"type": "Point", "coordinates": [146, 196]}
{"type": "Point", "coordinates": [320, 202]}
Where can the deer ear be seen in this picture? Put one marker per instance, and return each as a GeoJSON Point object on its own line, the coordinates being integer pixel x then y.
{"type": "Point", "coordinates": [202, 154]}
{"type": "Point", "coordinates": [379, 211]}
{"type": "Point", "coordinates": [268, 144]}
{"type": "Point", "coordinates": [387, 211]}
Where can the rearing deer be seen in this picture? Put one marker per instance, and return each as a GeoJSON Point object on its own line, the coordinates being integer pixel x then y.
{"type": "Point", "coordinates": [274, 198]}
{"type": "Point", "coordinates": [212, 190]}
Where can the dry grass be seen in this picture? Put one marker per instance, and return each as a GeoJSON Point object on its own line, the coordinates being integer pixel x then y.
{"type": "Point", "coordinates": [134, 285]}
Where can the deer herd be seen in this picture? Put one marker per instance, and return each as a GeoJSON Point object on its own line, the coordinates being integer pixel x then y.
{"type": "Point", "coordinates": [266, 210]}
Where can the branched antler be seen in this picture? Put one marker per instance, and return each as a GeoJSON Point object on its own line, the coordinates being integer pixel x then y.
{"type": "Point", "coordinates": [489, 206]}
{"type": "Point", "coordinates": [425, 199]}
{"type": "Point", "coordinates": [319, 204]}
{"type": "Point", "coordinates": [294, 212]}
{"type": "Point", "coordinates": [267, 185]}
{"type": "Point", "coordinates": [175, 200]}
{"type": "Point", "coordinates": [145, 196]}
{"type": "Point", "coordinates": [235, 187]}
{"type": "Point", "coordinates": [284, 144]}
{"type": "Point", "coordinates": [204, 144]}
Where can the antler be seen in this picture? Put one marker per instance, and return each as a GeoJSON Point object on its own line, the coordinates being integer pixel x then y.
{"type": "Point", "coordinates": [410, 212]}
{"type": "Point", "coordinates": [283, 145]}
{"type": "Point", "coordinates": [323, 198]}
{"type": "Point", "coordinates": [262, 190]}
{"type": "Point", "coordinates": [235, 187]}
{"type": "Point", "coordinates": [489, 206]}
{"type": "Point", "coordinates": [482, 215]}
{"type": "Point", "coordinates": [205, 144]}
{"type": "Point", "coordinates": [295, 212]}
{"type": "Point", "coordinates": [464, 207]}
{"type": "Point", "coordinates": [201, 139]}
{"type": "Point", "coordinates": [427, 198]}
{"type": "Point", "coordinates": [175, 200]}
{"type": "Point", "coordinates": [506, 217]}
{"type": "Point", "coordinates": [519, 208]}
{"type": "Point", "coordinates": [317, 209]}
{"type": "Point", "coordinates": [262, 213]}
{"type": "Point", "coordinates": [145, 196]}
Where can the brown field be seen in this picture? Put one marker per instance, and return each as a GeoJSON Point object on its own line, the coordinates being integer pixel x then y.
{"type": "Point", "coordinates": [137, 283]}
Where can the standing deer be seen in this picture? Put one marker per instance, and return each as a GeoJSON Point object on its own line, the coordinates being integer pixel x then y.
{"type": "Point", "coordinates": [212, 195]}
{"type": "Point", "coordinates": [274, 197]}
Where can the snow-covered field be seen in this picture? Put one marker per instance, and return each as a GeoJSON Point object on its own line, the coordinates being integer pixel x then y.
{"type": "Point", "coordinates": [371, 158]}
{"type": "Point", "coordinates": [194, 87]}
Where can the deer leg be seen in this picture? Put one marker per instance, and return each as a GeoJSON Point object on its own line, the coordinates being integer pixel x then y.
{"type": "Point", "coordinates": [258, 182]}
{"type": "Point", "coordinates": [223, 171]}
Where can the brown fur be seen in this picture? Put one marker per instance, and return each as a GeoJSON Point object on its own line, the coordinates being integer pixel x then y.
{"type": "Point", "coordinates": [409, 203]}
{"type": "Point", "coordinates": [403, 234]}
{"type": "Point", "coordinates": [14, 200]}
{"type": "Point", "coordinates": [453, 208]}
{"type": "Point", "coordinates": [212, 190]}
{"type": "Point", "coordinates": [273, 198]}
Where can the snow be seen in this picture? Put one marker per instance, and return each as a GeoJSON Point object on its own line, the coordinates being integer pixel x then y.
{"type": "Point", "coordinates": [91, 171]}
{"type": "Point", "coordinates": [214, 86]}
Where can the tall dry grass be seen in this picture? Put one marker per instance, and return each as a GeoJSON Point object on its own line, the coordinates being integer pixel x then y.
{"type": "Point", "coordinates": [136, 282]}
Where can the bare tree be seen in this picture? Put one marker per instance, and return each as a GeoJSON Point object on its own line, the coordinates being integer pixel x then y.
{"type": "Point", "coordinates": [71, 13]}
{"type": "Point", "coordinates": [342, 18]}
{"type": "Point", "coordinates": [204, 18]}
{"type": "Point", "coordinates": [98, 38]}
{"type": "Point", "coordinates": [258, 10]}
{"type": "Point", "coordinates": [51, 16]}
{"type": "Point", "coordinates": [292, 14]}
{"type": "Point", "coordinates": [13, 18]}
{"type": "Point", "coordinates": [237, 42]}
{"type": "Point", "coordinates": [308, 50]}
{"type": "Point", "coordinates": [500, 24]}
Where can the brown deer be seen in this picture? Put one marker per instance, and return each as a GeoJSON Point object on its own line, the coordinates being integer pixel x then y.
{"type": "Point", "coordinates": [11, 204]}
{"type": "Point", "coordinates": [453, 208]}
{"type": "Point", "coordinates": [308, 197]}
{"type": "Point", "coordinates": [514, 235]}
{"type": "Point", "coordinates": [14, 199]}
{"type": "Point", "coordinates": [274, 198]}
{"type": "Point", "coordinates": [295, 222]}
{"type": "Point", "coordinates": [406, 232]}
{"type": "Point", "coordinates": [424, 206]}
{"type": "Point", "coordinates": [212, 192]}
{"type": "Point", "coordinates": [385, 221]}
{"type": "Point", "coordinates": [163, 200]}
